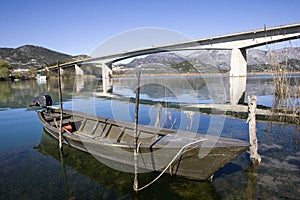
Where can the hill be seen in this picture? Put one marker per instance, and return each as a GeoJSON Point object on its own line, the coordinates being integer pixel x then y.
{"type": "Point", "coordinates": [203, 61]}
{"type": "Point", "coordinates": [29, 56]}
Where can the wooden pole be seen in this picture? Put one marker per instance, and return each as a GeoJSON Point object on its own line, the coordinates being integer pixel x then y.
{"type": "Point", "coordinates": [61, 155]}
{"type": "Point", "coordinates": [254, 156]}
{"type": "Point", "coordinates": [61, 107]}
{"type": "Point", "coordinates": [135, 144]}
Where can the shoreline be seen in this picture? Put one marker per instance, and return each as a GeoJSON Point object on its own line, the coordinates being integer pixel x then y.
{"type": "Point", "coordinates": [199, 74]}
{"type": "Point", "coordinates": [159, 75]}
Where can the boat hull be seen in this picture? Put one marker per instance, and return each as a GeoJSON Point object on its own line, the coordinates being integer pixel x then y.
{"type": "Point", "coordinates": [198, 161]}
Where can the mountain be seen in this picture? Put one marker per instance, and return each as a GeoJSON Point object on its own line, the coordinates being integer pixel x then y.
{"type": "Point", "coordinates": [29, 56]}
{"type": "Point", "coordinates": [203, 61]}
{"type": "Point", "coordinates": [210, 61]}
{"type": "Point", "coordinates": [165, 58]}
{"type": "Point", "coordinates": [156, 63]}
{"type": "Point", "coordinates": [262, 61]}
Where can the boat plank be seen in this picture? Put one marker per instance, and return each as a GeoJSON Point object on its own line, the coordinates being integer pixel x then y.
{"type": "Point", "coordinates": [115, 133]}
{"type": "Point", "coordinates": [89, 126]}
{"type": "Point", "coordinates": [99, 129]}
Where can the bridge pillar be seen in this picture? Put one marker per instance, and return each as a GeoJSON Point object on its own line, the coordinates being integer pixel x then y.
{"type": "Point", "coordinates": [237, 75]}
{"type": "Point", "coordinates": [237, 88]}
{"type": "Point", "coordinates": [238, 62]}
{"type": "Point", "coordinates": [78, 70]}
{"type": "Point", "coordinates": [107, 78]}
{"type": "Point", "coordinates": [106, 71]}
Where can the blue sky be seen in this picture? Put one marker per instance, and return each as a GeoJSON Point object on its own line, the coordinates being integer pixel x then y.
{"type": "Point", "coordinates": [77, 27]}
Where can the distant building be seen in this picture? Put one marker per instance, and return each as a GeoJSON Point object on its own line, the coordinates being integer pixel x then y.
{"type": "Point", "coordinates": [20, 70]}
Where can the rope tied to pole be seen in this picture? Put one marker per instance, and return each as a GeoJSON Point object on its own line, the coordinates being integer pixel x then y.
{"type": "Point", "coordinates": [170, 163]}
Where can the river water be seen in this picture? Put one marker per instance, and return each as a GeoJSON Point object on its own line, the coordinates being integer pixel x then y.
{"type": "Point", "coordinates": [30, 166]}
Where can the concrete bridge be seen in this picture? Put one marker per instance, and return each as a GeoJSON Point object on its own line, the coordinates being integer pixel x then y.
{"type": "Point", "coordinates": [238, 43]}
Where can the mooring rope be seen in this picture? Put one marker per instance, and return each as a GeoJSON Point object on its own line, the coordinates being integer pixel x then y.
{"type": "Point", "coordinates": [175, 157]}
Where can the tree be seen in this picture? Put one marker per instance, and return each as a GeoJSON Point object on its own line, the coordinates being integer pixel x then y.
{"type": "Point", "coordinates": [5, 68]}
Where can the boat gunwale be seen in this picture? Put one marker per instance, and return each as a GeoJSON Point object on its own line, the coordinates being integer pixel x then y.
{"type": "Point", "coordinates": [127, 125]}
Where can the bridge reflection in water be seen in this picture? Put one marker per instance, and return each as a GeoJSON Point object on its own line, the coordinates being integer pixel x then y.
{"type": "Point", "coordinates": [194, 90]}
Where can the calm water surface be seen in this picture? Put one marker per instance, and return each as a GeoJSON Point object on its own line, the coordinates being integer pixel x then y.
{"type": "Point", "coordinates": [30, 166]}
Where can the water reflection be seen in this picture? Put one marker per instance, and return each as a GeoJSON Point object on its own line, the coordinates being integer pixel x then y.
{"type": "Point", "coordinates": [206, 89]}
{"type": "Point", "coordinates": [176, 89]}
{"type": "Point", "coordinates": [19, 94]}
{"type": "Point", "coordinates": [278, 174]}
{"type": "Point", "coordinates": [27, 174]}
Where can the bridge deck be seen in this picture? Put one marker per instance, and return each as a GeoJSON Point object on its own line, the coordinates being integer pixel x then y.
{"type": "Point", "coordinates": [246, 39]}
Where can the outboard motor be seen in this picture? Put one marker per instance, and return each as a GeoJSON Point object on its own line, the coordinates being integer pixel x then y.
{"type": "Point", "coordinates": [43, 101]}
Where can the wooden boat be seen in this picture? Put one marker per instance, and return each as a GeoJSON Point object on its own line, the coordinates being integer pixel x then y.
{"type": "Point", "coordinates": [186, 154]}
{"type": "Point", "coordinates": [121, 182]}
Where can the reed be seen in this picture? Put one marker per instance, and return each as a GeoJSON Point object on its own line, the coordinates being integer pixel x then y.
{"type": "Point", "coordinates": [286, 90]}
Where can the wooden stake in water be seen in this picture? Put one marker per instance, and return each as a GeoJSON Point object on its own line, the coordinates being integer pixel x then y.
{"type": "Point", "coordinates": [63, 167]}
{"type": "Point", "coordinates": [61, 107]}
{"type": "Point", "coordinates": [135, 143]}
{"type": "Point", "coordinates": [254, 156]}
